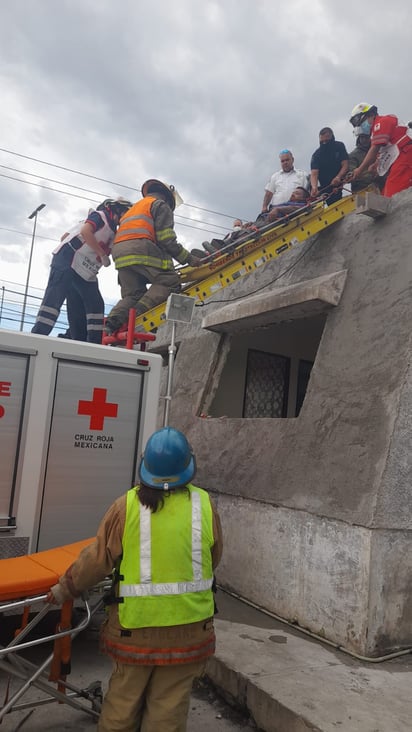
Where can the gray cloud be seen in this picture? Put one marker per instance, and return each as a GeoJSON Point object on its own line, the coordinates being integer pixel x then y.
{"type": "Point", "coordinates": [202, 95]}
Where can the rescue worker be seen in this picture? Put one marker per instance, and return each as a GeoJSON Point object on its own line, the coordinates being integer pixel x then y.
{"type": "Point", "coordinates": [142, 252]}
{"type": "Point", "coordinates": [164, 539]}
{"type": "Point", "coordinates": [368, 178]}
{"type": "Point", "coordinates": [73, 272]}
{"type": "Point", "coordinates": [391, 147]}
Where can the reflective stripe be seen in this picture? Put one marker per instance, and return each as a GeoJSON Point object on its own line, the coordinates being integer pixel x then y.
{"type": "Point", "coordinates": [46, 321]}
{"type": "Point", "coordinates": [142, 259]}
{"type": "Point", "coordinates": [132, 654]}
{"type": "Point", "coordinates": [146, 588]}
{"type": "Point", "coordinates": [164, 588]}
{"type": "Point", "coordinates": [165, 234]}
{"type": "Point", "coordinates": [142, 217]}
{"type": "Point", "coordinates": [139, 233]}
{"type": "Point", "coordinates": [46, 309]}
{"type": "Point", "coordinates": [145, 545]}
{"type": "Point", "coordinates": [196, 537]}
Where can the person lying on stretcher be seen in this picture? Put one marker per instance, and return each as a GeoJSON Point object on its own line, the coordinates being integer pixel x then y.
{"type": "Point", "coordinates": [298, 199]}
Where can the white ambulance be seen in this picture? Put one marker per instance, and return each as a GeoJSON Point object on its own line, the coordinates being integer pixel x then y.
{"type": "Point", "coordinates": [74, 419]}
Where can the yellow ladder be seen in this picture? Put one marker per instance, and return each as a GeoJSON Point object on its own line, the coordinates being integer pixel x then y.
{"type": "Point", "coordinates": [250, 255]}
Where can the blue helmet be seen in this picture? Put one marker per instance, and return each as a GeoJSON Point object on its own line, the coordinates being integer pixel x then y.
{"type": "Point", "coordinates": [168, 460]}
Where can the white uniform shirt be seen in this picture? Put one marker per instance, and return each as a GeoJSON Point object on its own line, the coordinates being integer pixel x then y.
{"type": "Point", "coordinates": [283, 184]}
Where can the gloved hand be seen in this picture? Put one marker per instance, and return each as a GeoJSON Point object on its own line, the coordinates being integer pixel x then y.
{"type": "Point", "coordinates": [56, 595]}
{"type": "Point", "coordinates": [106, 261]}
{"type": "Point", "coordinates": [194, 261]}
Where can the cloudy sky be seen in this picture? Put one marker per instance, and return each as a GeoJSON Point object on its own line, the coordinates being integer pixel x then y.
{"type": "Point", "coordinates": [98, 96]}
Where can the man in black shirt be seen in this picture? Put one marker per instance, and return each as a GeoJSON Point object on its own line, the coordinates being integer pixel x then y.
{"type": "Point", "coordinates": [328, 166]}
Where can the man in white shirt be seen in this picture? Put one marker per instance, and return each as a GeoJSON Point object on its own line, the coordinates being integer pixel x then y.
{"type": "Point", "coordinates": [284, 182]}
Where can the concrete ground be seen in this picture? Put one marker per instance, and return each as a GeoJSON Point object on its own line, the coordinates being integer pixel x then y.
{"type": "Point", "coordinates": [283, 680]}
{"type": "Point", "coordinates": [290, 683]}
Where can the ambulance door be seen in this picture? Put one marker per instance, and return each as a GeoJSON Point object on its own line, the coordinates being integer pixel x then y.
{"type": "Point", "coordinates": [92, 449]}
{"type": "Point", "coordinates": [13, 384]}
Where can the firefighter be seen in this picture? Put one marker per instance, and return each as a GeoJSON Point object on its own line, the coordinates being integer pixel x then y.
{"type": "Point", "coordinates": [73, 273]}
{"type": "Point", "coordinates": [142, 252]}
{"type": "Point", "coordinates": [391, 147]}
{"type": "Point", "coordinates": [164, 539]}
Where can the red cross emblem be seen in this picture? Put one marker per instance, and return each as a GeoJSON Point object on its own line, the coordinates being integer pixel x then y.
{"type": "Point", "coordinates": [97, 409]}
{"type": "Point", "coordinates": [4, 391]}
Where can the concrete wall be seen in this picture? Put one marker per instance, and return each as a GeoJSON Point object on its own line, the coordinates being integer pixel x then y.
{"type": "Point", "coordinates": [317, 510]}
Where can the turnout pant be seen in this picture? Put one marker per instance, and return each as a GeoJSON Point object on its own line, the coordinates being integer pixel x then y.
{"type": "Point", "coordinates": [148, 698]}
{"type": "Point", "coordinates": [65, 284]}
{"type": "Point", "coordinates": [133, 281]}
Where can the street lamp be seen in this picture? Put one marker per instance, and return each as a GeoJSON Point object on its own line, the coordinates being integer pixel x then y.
{"type": "Point", "coordinates": [26, 289]}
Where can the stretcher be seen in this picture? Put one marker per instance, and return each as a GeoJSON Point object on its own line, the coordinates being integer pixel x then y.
{"type": "Point", "coordinates": [24, 584]}
{"type": "Point", "coordinates": [249, 253]}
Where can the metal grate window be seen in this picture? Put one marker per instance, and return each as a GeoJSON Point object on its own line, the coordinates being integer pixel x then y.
{"type": "Point", "coordinates": [267, 384]}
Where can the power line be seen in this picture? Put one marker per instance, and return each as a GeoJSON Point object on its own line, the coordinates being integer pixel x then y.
{"type": "Point", "coordinates": [97, 193]}
{"type": "Point", "coordinates": [90, 200]}
{"type": "Point", "coordinates": [47, 188]}
{"type": "Point", "coordinates": [27, 233]}
{"type": "Point", "coordinates": [103, 180]}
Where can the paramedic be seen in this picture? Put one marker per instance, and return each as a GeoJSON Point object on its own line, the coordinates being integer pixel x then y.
{"type": "Point", "coordinates": [164, 539]}
{"type": "Point", "coordinates": [75, 264]}
{"type": "Point", "coordinates": [391, 147]}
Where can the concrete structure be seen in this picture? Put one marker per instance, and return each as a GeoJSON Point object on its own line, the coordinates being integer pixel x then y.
{"type": "Point", "coordinates": [316, 508]}
{"type": "Point", "coordinates": [281, 678]}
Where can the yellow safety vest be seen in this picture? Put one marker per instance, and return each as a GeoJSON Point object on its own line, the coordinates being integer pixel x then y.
{"type": "Point", "coordinates": [166, 571]}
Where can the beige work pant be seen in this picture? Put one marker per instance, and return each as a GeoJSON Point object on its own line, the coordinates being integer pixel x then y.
{"type": "Point", "coordinates": [133, 281]}
{"type": "Point", "coordinates": [148, 698]}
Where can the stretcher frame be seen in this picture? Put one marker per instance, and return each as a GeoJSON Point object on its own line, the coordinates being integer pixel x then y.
{"type": "Point", "coordinates": [17, 577]}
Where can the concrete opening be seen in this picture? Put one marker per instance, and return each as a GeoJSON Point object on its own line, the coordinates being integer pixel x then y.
{"type": "Point", "coordinates": [266, 372]}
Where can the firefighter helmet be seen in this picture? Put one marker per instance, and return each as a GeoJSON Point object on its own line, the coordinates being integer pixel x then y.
{"type": "Point", "coordinates": [168, 460]}
{"type": "Point", "coordinates": [360, 112]}
{"type": "Point", "coordinates": [153, 185]}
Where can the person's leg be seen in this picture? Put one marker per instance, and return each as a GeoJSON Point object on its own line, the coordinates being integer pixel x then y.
{"type": "Point", "coordinates": [132, 286]}
{"type": "Point", "coordinates": [55, 294]}
{"type": "Point", "coordinates": [76, 316]}
{"type": "Point", "coordinates": [168, 697]}
{"type": "Point", "coordinates": [89, 294]}
{"type": "Point", "coordinates": [163, 283]}
{"type": "Point", "coordinates": [124, 700]}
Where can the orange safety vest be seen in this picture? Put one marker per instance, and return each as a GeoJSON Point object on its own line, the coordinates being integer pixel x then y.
{"type": "Point", "coordinates": [137, 223]}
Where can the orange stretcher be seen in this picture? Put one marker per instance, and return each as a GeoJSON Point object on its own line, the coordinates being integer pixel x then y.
{"type": "Point", "coordinates": [24, 584]}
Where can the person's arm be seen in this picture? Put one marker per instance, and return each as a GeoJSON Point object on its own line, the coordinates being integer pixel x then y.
{"type": "Point", "coordinates": [284, 210]}
{"type": "Point", "coordinates": [217, 548]}
{"type": "Point", "coordinates": [166, 237]}
{"type": "Point", "coordinates": [96, 561]}
{"type": "Point", "coordinates": [368, 160]}
{"type": "Point", "coordinates": [314, 182]}
{"type": "Point", "coordinates": [266, 200]}
{"type": "Point", "coordinates": [339, 177]}
{"type": "Point", "coordinates": [87, 232]}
